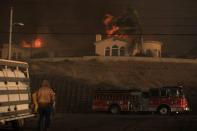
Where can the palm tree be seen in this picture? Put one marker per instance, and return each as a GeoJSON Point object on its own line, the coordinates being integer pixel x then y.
{"type": "Point", "coordinates": [129, 24]}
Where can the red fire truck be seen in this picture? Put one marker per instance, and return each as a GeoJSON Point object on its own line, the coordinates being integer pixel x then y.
{"type": "Point", "coordinates": [162, 100]}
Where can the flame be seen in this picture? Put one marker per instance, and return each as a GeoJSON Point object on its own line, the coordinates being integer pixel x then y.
{"type": "Point", "coordinates": [36, 44]}
{"type": "Point", "coordinates": [108, 19]}
{"type": "Point", "coordinates": [25, 45]}
{"type": "Point", "coordinates": [111, 29]}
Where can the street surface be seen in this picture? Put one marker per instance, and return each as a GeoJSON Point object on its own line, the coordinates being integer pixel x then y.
{"type": "Point", "coordinates": [108, 122]}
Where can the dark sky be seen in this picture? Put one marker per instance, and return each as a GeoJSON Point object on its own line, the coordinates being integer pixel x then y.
{"type": "Point", "coordinates": [72, 24]}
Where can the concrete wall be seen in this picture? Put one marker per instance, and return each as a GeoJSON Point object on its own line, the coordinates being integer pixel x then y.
{"type": "Point", "coordinates": [72, 95]}
{"type": "Point", "coordinates": [110, 58]}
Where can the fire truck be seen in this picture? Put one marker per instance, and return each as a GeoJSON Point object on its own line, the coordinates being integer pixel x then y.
{"type": "Point", "coordinates": [163, 100]}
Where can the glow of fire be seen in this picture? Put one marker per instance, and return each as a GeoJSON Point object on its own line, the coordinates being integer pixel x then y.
{"type": "Point", "coordinates": [36, 44]}
{"type": "Point", "coordinates": [25, 45]}
{"type": "Point", "coordinates": [108, 19]}
{"type": "Point", "coordinates": [111, 30]}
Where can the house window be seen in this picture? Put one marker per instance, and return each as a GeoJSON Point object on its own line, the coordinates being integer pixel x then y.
{"type": "Point", "coordinates": [115, 50]}
{"type": "Point", "coordinates": [107, 51]}
{"type": "Point", "coordinates": [155, 52]}
{"type": "Point", "coordinates": [149, 53]}
{"type": "Point", "coordinates": [159, 54]}
{"type": "Point", "coordinates": [122, 51]}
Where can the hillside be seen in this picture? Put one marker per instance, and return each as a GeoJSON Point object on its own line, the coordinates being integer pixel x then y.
{"type": "Point", "coordinates": [130, 74]}
{"type": "Point", "coordinates": [124, 74]}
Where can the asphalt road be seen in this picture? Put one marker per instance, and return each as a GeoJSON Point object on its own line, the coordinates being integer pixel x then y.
{"type": "Point", "coordinates": [108, 122]}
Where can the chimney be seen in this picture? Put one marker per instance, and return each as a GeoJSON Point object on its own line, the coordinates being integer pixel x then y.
{"type": "Point", "coordinates": [98, 37]}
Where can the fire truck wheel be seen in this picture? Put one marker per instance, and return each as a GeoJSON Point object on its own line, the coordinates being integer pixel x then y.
{"type": "Point", "coordinates": [114, 109]}
{"type": "Point", "coordinates": [163, 110]}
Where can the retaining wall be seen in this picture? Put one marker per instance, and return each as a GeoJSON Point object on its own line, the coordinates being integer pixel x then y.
{"type": "Point", "coordinates": [114, 58]}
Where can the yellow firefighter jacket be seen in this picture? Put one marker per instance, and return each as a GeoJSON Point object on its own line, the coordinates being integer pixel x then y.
{"type": "Point", "coordinates": [35, 103]}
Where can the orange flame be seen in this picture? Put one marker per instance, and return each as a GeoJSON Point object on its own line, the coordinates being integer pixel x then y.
{"type": "Point", "coordinates": [25, 45]}
{"type": "Point", "coordinates": [107, 22]}
{"type": "Point", "coordinates": [111, 30]}
{"type": "Point", "coordinates": [108, 19]}
{"type": "Point", "coordinates": [36, 44]}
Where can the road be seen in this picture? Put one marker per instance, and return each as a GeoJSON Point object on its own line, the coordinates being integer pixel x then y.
{"type": "Point", "coordinates": [108, 122]}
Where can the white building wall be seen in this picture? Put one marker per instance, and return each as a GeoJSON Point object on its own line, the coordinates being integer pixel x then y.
{"type": "Point", "coordinates": [153, 46]}
{"type": "Point", "coordinates": [100, 46]}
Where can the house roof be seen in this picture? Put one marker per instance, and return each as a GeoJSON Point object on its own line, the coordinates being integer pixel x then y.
{"type": "Point", "coordinates": [153, 42]}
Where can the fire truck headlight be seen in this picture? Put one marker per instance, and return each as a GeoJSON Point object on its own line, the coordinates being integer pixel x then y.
{"type": "Point", "coordinates": [187, 109]}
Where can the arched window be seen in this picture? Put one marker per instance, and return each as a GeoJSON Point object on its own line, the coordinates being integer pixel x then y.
{"type": "Point", "coordinates": [149, 53]}
{"type": "Point", "coordinates": [107, 51]}
{"type": "Point", "coordinates": [159, 54]}
{"type": "Point", "coordinates": [122, 51]}
{"type": "Point", "coordinates": [115, 50]}
{"type": "Point", "coordinates": [155, 53]}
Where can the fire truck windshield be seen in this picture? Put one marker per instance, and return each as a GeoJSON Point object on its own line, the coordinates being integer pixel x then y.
{"type": "Point", "coordinates": [175, 92]}
{"type": "Point", "coordinates": [182, 94]}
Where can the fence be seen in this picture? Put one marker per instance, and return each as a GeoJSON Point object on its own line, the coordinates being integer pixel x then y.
{"type": "Point", "coordinates": [71, 95]}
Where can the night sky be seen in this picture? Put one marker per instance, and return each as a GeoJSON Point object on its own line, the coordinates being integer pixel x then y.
{"type": "Point", "coordinates": [72, 24]}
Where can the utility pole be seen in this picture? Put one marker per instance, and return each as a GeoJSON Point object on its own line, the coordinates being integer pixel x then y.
{"type": "Point", "coordinates": [10, 35]}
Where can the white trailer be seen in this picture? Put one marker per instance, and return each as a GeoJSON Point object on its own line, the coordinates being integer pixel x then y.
{"type": "Point", "coordinates": [15, 96]}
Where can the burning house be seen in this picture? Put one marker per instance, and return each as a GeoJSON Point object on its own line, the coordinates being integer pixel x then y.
{"type": "Point", "coordinates": [24, 51]}
{"type": "Point", "coordinates": [120, 47]}
{"type": "Point", "coordinates": [122, 40]}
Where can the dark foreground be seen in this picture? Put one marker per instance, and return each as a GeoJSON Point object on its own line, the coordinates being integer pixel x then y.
{"type": "Point", "coordinates": [108, 122]}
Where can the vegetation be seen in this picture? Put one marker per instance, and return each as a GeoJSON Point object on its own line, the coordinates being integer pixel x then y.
{"type": "Point", "coordinates": [128, 22]}
{"type": "Point", "coordinates": [147, 54]}
{"type": "Point", "coordinates": [129, 25]}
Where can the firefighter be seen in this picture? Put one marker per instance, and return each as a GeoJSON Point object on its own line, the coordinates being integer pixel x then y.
{"type": "Point", "coordinates": [46, 98]}
{"type": "Point", "coordinates": [180, 84]}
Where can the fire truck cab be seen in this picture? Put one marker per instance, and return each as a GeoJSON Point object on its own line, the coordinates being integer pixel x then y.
{"type": "Point", "coordinates": [162, 100]}
{"type": "Point", "coordinates": [167, 99]}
